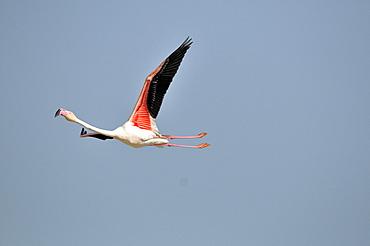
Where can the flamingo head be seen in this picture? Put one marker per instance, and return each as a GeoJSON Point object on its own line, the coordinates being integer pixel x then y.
{"type": "Point", "coordinates": [69, 115]}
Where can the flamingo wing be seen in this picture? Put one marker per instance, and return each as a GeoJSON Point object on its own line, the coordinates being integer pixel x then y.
{"type": "Point", "coordinates": [156, 86]}
{"type": "Point", "coordinates": [84, 134]}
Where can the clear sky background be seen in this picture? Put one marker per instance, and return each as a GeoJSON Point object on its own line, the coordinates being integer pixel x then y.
{"type": "Point", "coordinates": [281, 87]}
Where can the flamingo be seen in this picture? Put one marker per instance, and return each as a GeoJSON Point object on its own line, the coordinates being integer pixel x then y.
{"type": "Point", "coordinates": [141, 130]}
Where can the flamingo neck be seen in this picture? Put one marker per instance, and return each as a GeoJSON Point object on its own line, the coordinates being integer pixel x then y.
{"type": "Point", "coordinates": [95, 129]}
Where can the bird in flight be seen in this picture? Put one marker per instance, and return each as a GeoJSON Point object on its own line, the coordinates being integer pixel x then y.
{"type": "Point", "coordinates": [141, 130]}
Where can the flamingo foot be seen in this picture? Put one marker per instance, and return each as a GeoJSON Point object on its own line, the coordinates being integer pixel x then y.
{"type": "Point", "coordinates": [203, 145]}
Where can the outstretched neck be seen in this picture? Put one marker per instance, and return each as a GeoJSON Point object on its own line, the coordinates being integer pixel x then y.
{"type": "Point", "coordinates": [94, 129]}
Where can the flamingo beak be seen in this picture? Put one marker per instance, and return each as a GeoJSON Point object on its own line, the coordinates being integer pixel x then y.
{"type": "Point", "coordinates": [62, 112]}
{"type": "Point", "coordinates": [57, 113]}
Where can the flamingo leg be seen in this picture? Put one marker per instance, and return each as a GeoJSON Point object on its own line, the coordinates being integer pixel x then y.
{"type": "Point", "coordinates": [200, 146]}
{"type": "Point", "coordinates": [196, 136]}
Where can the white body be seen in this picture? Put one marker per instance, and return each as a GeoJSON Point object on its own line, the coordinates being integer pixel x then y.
{"type": "Point", "coordinates": [136, 137]}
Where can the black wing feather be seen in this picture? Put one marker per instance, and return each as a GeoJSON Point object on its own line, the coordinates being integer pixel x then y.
{"type": "Point", "coordinates": [95, 135]}
{"type": "Point", "coordinates": [162, 80]}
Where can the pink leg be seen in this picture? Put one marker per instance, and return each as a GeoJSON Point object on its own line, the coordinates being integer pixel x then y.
{"type": "Point", "coordinates": [196, 136]}
{"type": "Point", "coordinates": [200, 146]}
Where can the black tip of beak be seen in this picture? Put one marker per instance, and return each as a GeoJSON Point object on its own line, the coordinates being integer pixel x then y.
{"type": "Point", "coordinates": [57, 113]}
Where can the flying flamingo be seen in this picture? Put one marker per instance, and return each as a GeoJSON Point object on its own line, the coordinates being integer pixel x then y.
{"type": "Point", "coordinates": [141, 130]}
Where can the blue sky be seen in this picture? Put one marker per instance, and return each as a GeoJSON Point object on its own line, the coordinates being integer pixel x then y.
{"type": "Point", "coordinates": [281, 87]}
